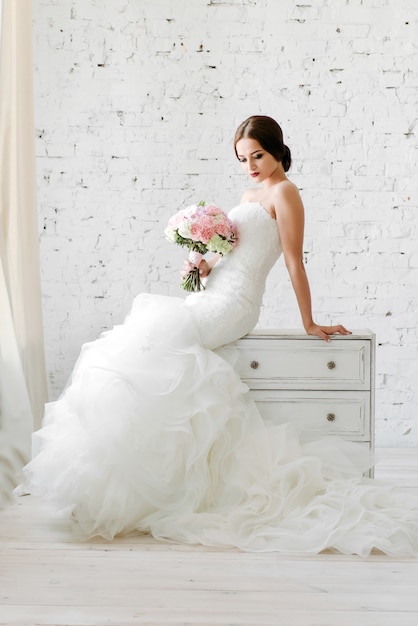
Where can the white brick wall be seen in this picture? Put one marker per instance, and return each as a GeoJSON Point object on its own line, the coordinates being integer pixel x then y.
{"type": "Point", "coordinates": [136, 106]}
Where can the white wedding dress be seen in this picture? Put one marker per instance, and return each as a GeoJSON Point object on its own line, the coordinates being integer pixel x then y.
{"type": "Point", "coordinates": [155, 433]}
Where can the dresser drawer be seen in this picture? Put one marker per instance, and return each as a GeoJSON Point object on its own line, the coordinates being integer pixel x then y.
{"type": "Point", "coordinates": [325, 412]}
{"type": "Point", "coordinates": [304, 363]}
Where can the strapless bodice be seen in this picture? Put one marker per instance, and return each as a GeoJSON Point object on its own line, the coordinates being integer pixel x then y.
{"type": "Point", "coordinates": [229, 307]}
{"type": "Point", "coordinates": [247, 267]}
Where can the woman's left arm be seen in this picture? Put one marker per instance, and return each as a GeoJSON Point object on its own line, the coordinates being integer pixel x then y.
{"type": "Point", "coordinates": [290, 218]}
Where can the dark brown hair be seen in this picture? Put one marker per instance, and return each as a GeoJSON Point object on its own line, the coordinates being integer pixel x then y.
{"type": "Point", "coordinates": [269, 135]}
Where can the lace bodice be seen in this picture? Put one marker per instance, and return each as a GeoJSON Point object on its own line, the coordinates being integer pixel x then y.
{"type": "Point", "coordinates": [229, 307]}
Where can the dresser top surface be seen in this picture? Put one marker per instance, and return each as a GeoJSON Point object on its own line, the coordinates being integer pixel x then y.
{"type": "Point", "coordinates": [293, 333]}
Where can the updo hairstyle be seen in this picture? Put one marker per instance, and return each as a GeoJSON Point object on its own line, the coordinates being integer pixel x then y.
{"type": "Point", "coordinates": [269, 135]}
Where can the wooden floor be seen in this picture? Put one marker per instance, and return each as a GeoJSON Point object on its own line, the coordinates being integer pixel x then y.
{"type": "Point", "coordinates": [46, 578]}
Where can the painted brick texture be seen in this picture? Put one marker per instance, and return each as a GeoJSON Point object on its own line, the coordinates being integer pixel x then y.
{"type": "Point", "coordinates": [136, 103]}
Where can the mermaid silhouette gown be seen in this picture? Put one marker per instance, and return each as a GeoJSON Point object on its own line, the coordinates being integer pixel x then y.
{"type": "Point", "coordinates": [155, 433]}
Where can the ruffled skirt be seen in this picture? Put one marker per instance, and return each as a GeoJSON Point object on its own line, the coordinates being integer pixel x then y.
{"type": "Point", "coordinates": [156, 434]}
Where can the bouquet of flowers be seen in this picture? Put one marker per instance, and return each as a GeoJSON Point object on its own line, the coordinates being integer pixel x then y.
{"type": "Point", "coordinates": [201, 228]}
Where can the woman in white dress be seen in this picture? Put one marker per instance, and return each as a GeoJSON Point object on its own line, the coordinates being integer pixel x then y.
{"type": "Point", "coordinates": [155, 433]}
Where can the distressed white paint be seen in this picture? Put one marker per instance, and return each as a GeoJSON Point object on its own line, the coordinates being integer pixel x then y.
{"type": "Point", "coordinates": [136, 105]}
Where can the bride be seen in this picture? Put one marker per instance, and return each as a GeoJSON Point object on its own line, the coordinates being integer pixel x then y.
{"type": "Point", "coordinates": [155, 433]}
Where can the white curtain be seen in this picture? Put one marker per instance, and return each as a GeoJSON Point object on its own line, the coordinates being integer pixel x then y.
{"type": "Point", "coordinates": [22, 364]}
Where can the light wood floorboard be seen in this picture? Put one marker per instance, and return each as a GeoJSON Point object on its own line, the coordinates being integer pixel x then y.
{"type": "Point", "coordinates": [47, 578]}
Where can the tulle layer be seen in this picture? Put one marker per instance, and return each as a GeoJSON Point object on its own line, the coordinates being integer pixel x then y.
{"type": "Point", "coordinates": [156, 434]}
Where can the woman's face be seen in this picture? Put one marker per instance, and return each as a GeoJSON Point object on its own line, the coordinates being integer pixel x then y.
{"type": "Point", "coordinates": [259, 164]}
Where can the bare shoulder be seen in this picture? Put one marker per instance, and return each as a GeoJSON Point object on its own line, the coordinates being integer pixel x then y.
{"type": "Point", "coordinates": [250, 195]}
{"type": "Point", "coordinates": [285, 198]}
{"type": "Point", "coordinates": [285, 191]}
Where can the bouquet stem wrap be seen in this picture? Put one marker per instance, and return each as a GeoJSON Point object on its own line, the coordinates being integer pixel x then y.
{"type": "Point", "coordinates": [195, 257]}
{"type": "Point", "coordinates": [192, 281]}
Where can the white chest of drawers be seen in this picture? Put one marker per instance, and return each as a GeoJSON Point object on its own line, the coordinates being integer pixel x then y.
{"type": "Point", "coordinates": [321, 388]}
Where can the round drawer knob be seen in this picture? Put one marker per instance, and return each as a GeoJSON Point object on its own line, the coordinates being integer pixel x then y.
{"type": "Point", "coordinates": [331, 365]}
{"type": "Point", "coordinates": [254, 365]}
{"type": "Point", "coordinates": [331, 417]}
